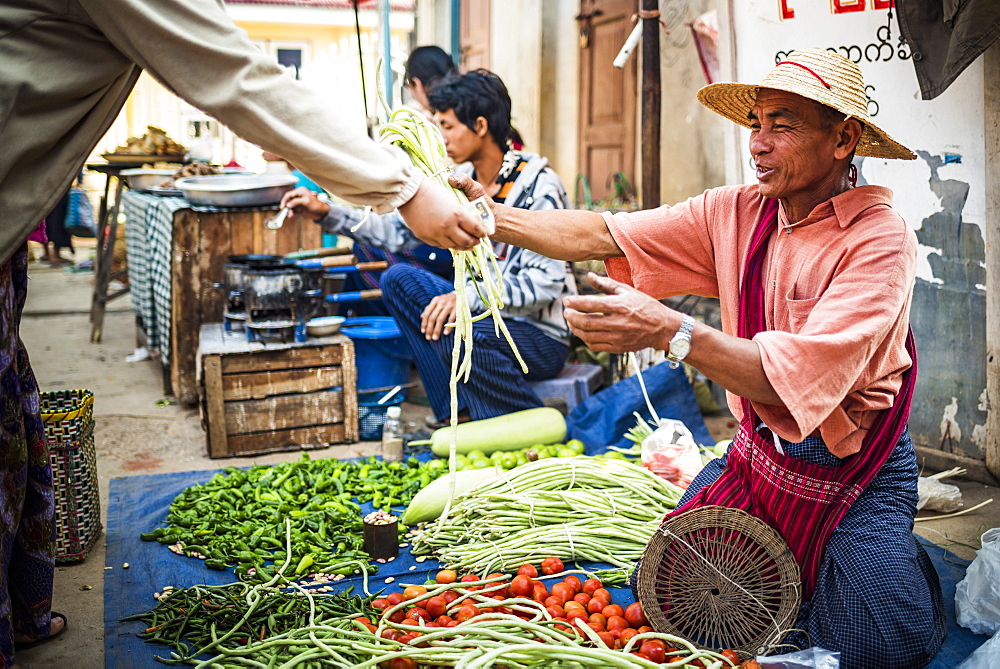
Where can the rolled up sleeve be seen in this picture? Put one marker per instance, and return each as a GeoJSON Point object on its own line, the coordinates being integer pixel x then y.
{"type": "Point", "coordinates": [195, 49]}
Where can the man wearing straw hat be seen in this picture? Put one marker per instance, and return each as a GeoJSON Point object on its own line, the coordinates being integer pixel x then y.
{"type": "Point", "coordinates": [814, 276]}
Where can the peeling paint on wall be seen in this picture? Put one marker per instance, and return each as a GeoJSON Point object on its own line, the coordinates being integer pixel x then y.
{"type": "Point", "coordinates": [949, 323]}
{"type": "Point", "coordinates": [949, 428]}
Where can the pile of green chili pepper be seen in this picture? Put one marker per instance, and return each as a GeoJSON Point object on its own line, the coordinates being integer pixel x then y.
{"type": "Point", "coordinates": [236, 518]}
{"type": "Point", "coordinates": [194, 619]}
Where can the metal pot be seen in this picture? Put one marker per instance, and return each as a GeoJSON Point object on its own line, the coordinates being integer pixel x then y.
{"type": "Point", "coordinates": [235, 190]}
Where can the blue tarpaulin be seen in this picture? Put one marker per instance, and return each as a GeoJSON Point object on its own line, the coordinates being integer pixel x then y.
{"type": "Point", "coordinates": [139, 503]}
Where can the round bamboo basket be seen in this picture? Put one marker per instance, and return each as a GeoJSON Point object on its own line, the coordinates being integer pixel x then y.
{"type": "Point", "coordinates": [720, 578]}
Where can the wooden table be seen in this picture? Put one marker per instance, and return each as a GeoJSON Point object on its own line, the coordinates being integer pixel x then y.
{"type": "Point", "coordinates": [182, 250]}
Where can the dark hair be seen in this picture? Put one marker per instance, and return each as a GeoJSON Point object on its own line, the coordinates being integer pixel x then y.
{"type": "Point", "coordinates": [428, 64]}
{"type": "Point", "coordinates": [474, 94]}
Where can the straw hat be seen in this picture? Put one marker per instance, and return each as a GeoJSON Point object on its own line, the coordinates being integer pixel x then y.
{"type": "Point", "coordinates": [824, 76]}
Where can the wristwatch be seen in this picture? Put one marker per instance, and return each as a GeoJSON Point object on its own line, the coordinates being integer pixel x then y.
{"type": "Point", "coordinates": [680, 345]}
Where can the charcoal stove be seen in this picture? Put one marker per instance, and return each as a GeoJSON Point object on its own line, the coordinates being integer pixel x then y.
{"type": "Point", "coordinates": [277, 304]}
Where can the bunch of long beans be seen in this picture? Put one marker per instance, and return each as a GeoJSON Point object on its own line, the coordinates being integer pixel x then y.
{"type": "Point", "coordinates": [570, 508]}
{"type": "Point", "coordinates": [424, 145]}
{"type": "Point", "coordinates": [346, 638]}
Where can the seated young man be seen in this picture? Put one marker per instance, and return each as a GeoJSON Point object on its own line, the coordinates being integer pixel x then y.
{"type": "Point", "coordinates": [473, 111]}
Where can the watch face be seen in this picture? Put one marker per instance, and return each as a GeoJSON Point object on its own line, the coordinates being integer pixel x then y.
{"type": "Point", "coordinates": [680, 348]}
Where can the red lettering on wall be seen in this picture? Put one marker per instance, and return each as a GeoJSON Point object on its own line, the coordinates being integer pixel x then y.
{"type": "Point", "coordinates": [845, 6]}
{"type": "Point", "coordinates": [785, 11]}
{"type": "Point", "coordinates": [883, 4]}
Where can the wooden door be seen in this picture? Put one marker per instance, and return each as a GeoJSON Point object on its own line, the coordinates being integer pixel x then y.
{"type": "Point", "coordinates": [607, 93]}
{"type": "Point", "coordinates": [474, 36]}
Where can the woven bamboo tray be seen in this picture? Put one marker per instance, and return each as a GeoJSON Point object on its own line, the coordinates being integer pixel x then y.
{"type": "Point", "coordinates": [720, 578]}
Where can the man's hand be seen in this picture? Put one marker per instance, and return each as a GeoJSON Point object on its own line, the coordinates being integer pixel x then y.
{"type": "Point", "coordinates": [435, 216]}
{"type": "Point", "coordinates": [622, 320]}
{"type": "Point", "coordinates": [439, 312]}
{"type": "Point", "coordinates": [304, 202]}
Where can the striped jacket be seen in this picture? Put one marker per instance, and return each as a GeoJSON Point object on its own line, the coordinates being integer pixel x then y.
{"type": "Point", "coordinates": [533, 283]}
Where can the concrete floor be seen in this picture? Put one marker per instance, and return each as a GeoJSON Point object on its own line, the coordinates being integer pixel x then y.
{"type": "Point", "coordinates": [137, 432]}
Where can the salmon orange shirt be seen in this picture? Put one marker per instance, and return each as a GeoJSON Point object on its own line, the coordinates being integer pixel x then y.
{"type": "Point", "coordinates": [837, 291]}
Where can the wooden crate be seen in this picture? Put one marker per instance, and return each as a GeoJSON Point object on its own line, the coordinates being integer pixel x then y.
{"type": "Point", "coordinates": [261, 398]}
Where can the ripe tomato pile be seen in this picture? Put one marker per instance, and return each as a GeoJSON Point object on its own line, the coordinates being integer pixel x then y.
{"type": "Point", "coordinates": [566, 601]}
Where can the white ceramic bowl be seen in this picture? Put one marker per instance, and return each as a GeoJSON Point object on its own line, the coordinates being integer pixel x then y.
{"type": "Point", "coordinates": [145, 178]}
{"type": "Point", "coordinates": [324, 325]}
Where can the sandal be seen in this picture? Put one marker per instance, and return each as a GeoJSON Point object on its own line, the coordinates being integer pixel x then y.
{"type": "Point", "coordinates": [25, 645]}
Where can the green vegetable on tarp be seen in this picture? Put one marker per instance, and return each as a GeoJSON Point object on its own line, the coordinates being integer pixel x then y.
{"type": "Point", "coordinates": [429, 503]}
{"type": "Point", "coordinates": [236, 517]}
{"type": "Point", "coordinates": [509, 432]}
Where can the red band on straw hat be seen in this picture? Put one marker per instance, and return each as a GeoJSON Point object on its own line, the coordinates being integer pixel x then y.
{"type": "Point", "coordinates": [807, 69]}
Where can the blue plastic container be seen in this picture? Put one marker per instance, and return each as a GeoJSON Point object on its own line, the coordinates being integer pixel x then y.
{"type": "Point", "coordinates": [380, 352]}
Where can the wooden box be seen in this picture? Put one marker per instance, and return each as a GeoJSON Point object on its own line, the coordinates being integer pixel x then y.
{"type": "Point", "coordinates": [261, 398]}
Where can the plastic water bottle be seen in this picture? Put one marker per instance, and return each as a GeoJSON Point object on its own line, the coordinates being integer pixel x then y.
{"type": "Point", "coordinates": [392, 435]}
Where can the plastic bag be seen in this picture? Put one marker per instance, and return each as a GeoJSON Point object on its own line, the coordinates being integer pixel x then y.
{"type": "Point", "coordinates": [986, 656]}
{"type": "Point", "coordinates": [80, 221]}
{"type": "Point", "coordinates": [810, 658]}
{"type": "Point", "coordinates": [671, 454]}
{"type": "Point", "coordinates": [977, 596]}
{"type": "Point", "coordinates": [934, 495]}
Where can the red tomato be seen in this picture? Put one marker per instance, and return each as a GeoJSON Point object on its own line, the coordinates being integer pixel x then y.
{"type": "Point", "coordinates": [552, 600]}
{"type": "Point", "coordinates": [616, 623]}
{"type": "Point", "coordinates": [431, 623]}
{"type": "Point", "coordinates": [582, 597]}
{"type": "Point", "coordinates": [555, 611]}
{"type": "Point", "coordinates": [403, 663]}
{"type": "Point", "coordinates": [521, 586]}
{"type": "Point", "coordinates": [381, 604]}
{"type": "Point", "coordinates": [592, 584]}
{"type": "Point", "coordinates": [573, 605]}
{"type": "Point", "coordinates": [613, 610]}
{"type": "Point", "coordinates": [644, 629]}
{"type": "Point", "coordinates": [394, 598]}
{"type": "Point", "coordinates": [598, 618]}
{"type": "Point", "coordinates": [539, 594]}
{"type": "Point", "coordinates": [436, 606]}
{"type": "Point", "coordinates": [607, 639]}
{"type": "Point", "coordinates": [574, 583]}
{"type": "Point", "coordinates": [467, 611]}
{"type": "Point", "coordinates": [627, 635]}
{"type": "Point", "coordinates": [596, 605]}
{"type": "Point", "coordinates": [391, 634]}
{"type": "Point", "coordinates": [444, 620]}
{"type": "Point", "coordinates": [528, 570]}
{"type": "Point", "coordinates": [414, 591]}
{"type": "Point", "coordinates": [552, 565]}
{"type": "Point", "coordinates": [417, 613]}
{"type": "Point", "coordinates": [407, 638]}
{"type": "Point", "coordinates": [450, 596]}
{"type": "Point", "coordinates": [562, 591]}
{"type": "Point", "coordinates": [446, 576]}
{"type": "Point", "coordinates": [469, 578]}
{"type": "Point", "coordinates": [576, 613]}
{"type": "Point", "coordinates": [635, 616]}
{"type": "Point", "coordinates": [731, 656]}
{"type": "Point", "coordinates": [655, 650]}
{"type": "Point", "coordinates": [602, 593]}
{"type": "Point", "coordinates": [597, 628]}
{"type": "Point", "coordinates": [398, 616]}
